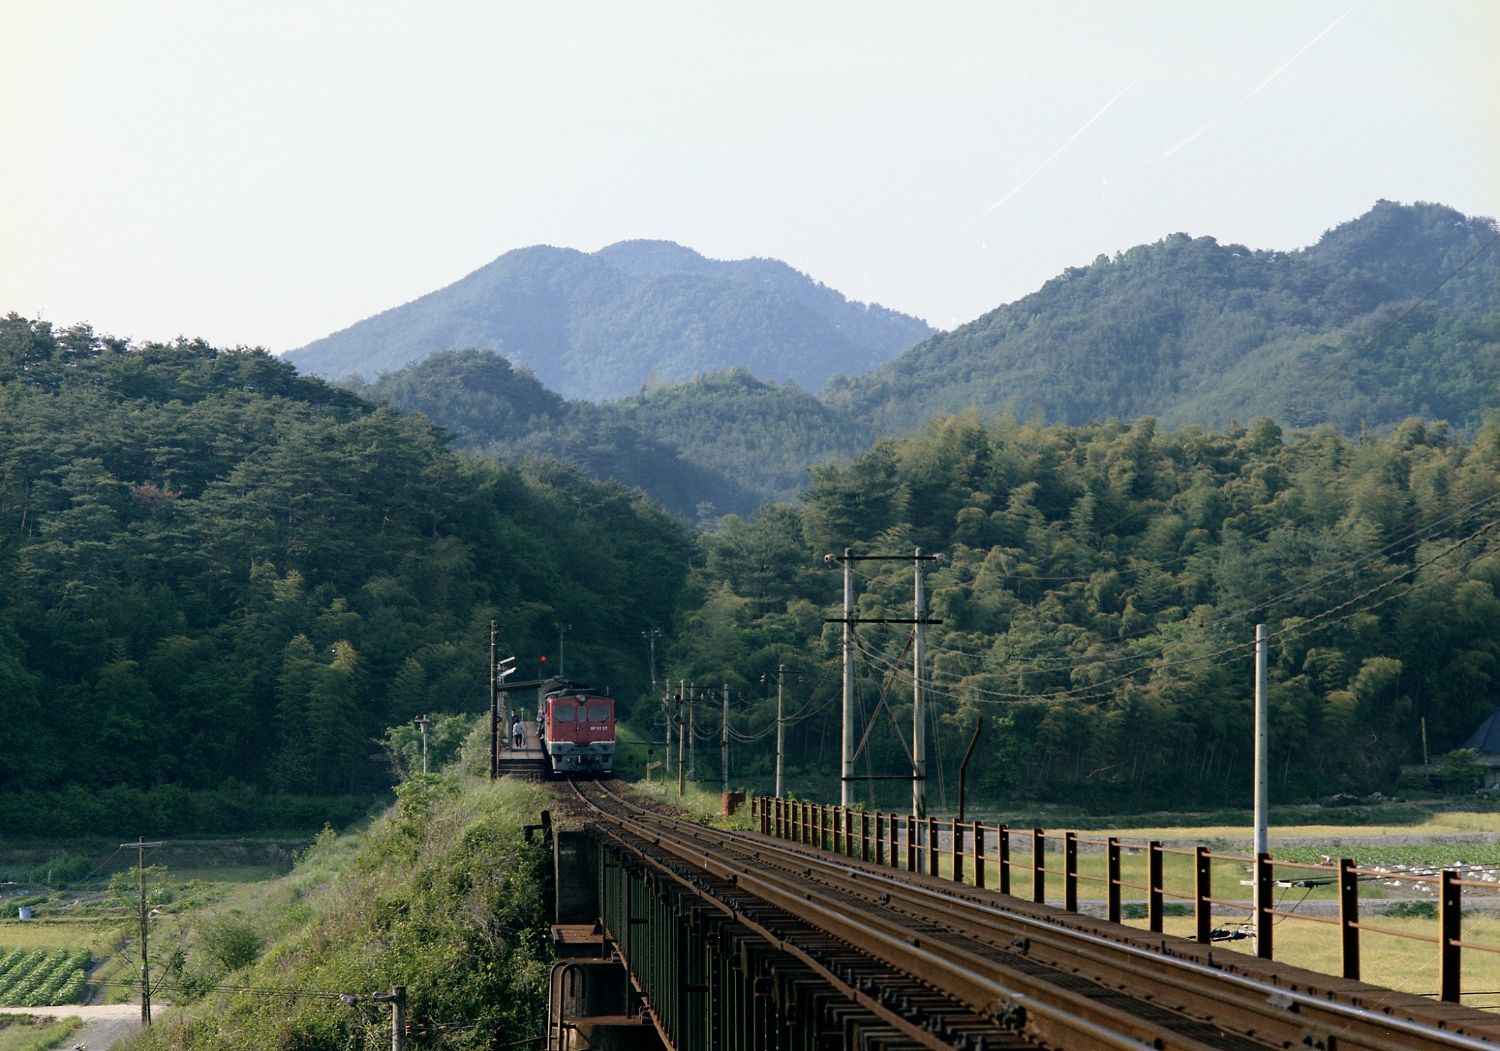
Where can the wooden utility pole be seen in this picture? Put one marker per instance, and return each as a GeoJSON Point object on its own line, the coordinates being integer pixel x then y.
{"type": "Point", "coordinates": [724, 742]}
{"type": "Point", "coordinates": [397, 999]}
{"type": "Point", "coordinates": [140, 844]}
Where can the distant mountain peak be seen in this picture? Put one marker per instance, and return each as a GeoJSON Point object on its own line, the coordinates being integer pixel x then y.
{"type": "Point", "coordinates": [1196, 332]}
{"type": "Point", "coordinates": [643, 256]}
{"type": "Point", "coordinates": [602, 325]}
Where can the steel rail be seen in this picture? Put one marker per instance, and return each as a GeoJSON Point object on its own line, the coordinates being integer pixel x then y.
{"type": "Point", "coordinates": [1293, 1012]}
{"type": "Point", "coordinates": [1209, 984]}
{"type": "Point", "coordinates": [1047, 1012]}
{"type": "Point", "coordinates": [740, 915]}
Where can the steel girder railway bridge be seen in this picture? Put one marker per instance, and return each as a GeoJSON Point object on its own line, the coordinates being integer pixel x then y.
{"type": "Point", "coordinates": [692, 938]}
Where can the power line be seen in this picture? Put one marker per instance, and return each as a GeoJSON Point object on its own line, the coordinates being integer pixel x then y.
{"type": "Point", "coordinates": [1409, 536]}
{"type": "Point", "coordinates": [1099, 691]}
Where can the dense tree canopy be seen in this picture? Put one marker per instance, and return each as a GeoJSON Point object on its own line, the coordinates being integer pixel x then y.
{"type": "Point", "coordinates": [720, 444]}
{"type": "Point", "coordinates": [1097, 599]}
{"type": "Point", "coordinates": [220, 577]}
{"type": "Point", "coordinates": [213, 569]}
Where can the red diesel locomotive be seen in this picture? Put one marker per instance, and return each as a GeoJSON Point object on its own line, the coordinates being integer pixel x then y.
{"type": "Point", "coordinates": [577, 728]}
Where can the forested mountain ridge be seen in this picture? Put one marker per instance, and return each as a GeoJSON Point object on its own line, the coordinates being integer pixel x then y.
{"type": "Point", "coordinates": [1390, 315]}
{"type": "Point", "coordinates": [1097, 600]}
{"type": "Point", "coordinates": [1195, 332]}
{"type": "Point", "coordinates": [606, 324]}
{"type": "Point", "coordinates": [724, 443]}
{"type": "Point", "coordinates": [217, 576]}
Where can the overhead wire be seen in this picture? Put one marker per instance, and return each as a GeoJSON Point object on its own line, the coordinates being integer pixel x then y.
{"type": "Point", "coordinates": [1097, 691]}
{"type": "Point", "coordinates": [1411, 539]}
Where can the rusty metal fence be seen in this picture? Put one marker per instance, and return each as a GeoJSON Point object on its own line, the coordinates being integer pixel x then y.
{"type": "Point", "coordinates": [1016, 861]}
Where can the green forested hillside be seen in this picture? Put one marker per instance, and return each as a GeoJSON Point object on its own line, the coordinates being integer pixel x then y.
{"type": "Point", "coordinates": [1393, 314]}
{"type": "Point", "coordinates": [764, 436]}
{"type": "Point", "coordinates": [1097, 603]}
{"type": "Point", "coordinates": [719, 444]}
{"type": "Point", "coordinates": [606, 325]}
{"type": "Point", "coordinates": [216, 573]}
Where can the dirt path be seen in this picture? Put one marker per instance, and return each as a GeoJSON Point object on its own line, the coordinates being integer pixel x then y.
{"type": "Point", "coordinates": [104, 1024]}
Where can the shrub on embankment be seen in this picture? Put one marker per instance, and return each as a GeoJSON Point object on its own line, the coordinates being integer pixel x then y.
{"type": "Point", "coordinates": [442, 895]}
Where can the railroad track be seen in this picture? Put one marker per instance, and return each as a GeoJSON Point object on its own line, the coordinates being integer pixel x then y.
{"type": "Point", "coordinates": [931, 964]}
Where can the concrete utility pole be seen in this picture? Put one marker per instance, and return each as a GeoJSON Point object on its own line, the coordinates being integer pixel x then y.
{"type": "Point", "coordinates": [651, 635]}
{"type": "Point", "coordinates": [562, 666]}
{"type": "Point", "coordinates": [422, 723]}
{"type": "Point", "coordinates": [846, 775]}
{"type": "Point", "coordinates": [918, 702]}
{"type": "Point", "coordinates": [1262, 838]}
{"type": "Point", "coordinates": [846, 763]}
{"type": "Point", "coordinates": [494, 709]}
{"type": "Point", "coordinates": [724, 742]}
{"type": "Point", "coordinates": [666, 718]}
{"type": "Point", "coordinates": [780, 728]}
{"type": "Point", "coordinates": [681, 741]}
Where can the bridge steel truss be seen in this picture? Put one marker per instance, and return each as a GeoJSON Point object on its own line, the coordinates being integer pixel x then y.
{"type": "Point", "coordinates": [719, 968]}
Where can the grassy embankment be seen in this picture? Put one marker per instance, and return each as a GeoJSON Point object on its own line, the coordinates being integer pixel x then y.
{"type": "Point", "coordinates": [441, 894]}
{"type": "Point", "coordinates": [24, 1033]}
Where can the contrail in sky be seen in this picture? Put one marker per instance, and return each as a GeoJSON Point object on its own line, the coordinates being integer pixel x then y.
{"type": "Point", "coordinates": [1066, 143]}
{"type": "Point", "coordinates": [1282, 68]}
{"type": "Point", "coordinates": [1205, 129]}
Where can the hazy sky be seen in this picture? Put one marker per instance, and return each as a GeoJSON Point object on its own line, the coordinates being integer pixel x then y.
{"type": "Point", "coordinates": [265, 173]}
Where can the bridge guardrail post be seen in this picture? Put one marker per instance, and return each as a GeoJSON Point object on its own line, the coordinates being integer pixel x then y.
{"type": "Point", "coordinates": [911, 843]}
{"type": "Point", "coordinates": [932, 846]}
{"type": "Point", "coordinates": [1265, 920]}
{"type": "Point", "coordinates": [840, 820]}
{"type": "Point", "coordinates": [1349, 917]}
{"type": "Point", "coordinates": [879, 838]}
{"type": "Point", "coordinates": [864, 836]}
{"type": "Point", "coordinates": [1070, 871]}
{"type": "Point", "coordinates": [1002, 858]}
{"type": "Point", "coordinates": [958, 851]}
{"type": "Point", "coordinates": [979, 855]}
{"type": "Point", "coordinates": [1112, 877]}
{"type": "Point", "coordinates": [1202, 892]}
{"type": "Point", "coordinates": [1038, 866]}
{"type": "Point", "coordinates": [1153, 886]}
{"type": "Point", "coordinates": [1450, 933]}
